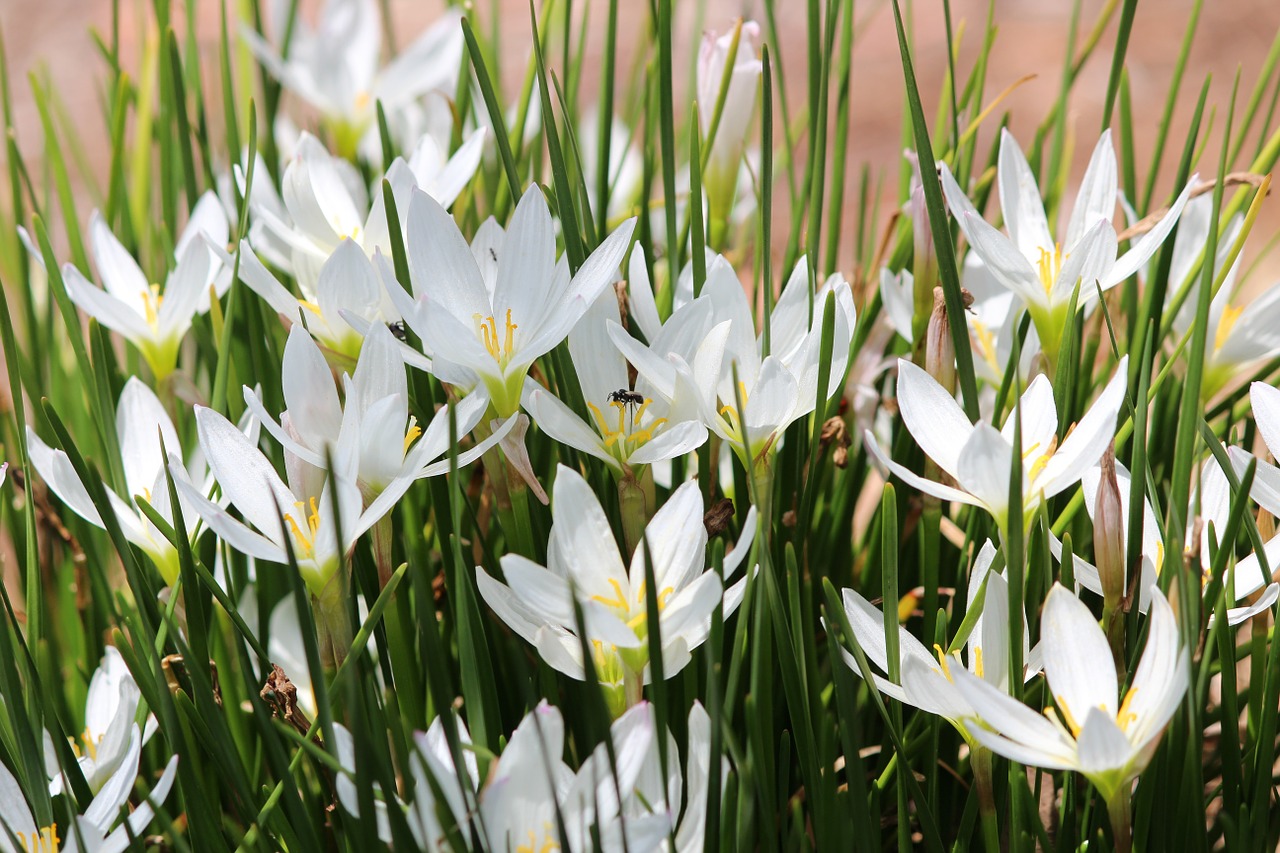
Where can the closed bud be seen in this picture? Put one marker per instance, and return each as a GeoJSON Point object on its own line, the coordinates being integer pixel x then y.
{"type": "Point", "coordinates": [1108, 550]}
{"type": "Point", "coordinates": [940, 344]}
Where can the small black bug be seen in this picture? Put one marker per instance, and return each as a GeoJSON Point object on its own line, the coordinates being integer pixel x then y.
{"type": "Point", "coordinates": [397, 329]}
{"type": "Point", "coordinates": [493, 254]}
{"type": "Point", "coordinates": [625, 397]}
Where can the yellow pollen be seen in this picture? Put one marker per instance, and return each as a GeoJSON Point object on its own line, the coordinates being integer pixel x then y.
{"type": "Point", "coordinates": [943, 661]}
{"type": "Point", "coordinates": [730, 410]}
{"type": "Point", "coordinates": [977, 661]}
{"type": "Point", "coordinates": [1126, 718]}
{"type": "Point", "coordinates": [907, 606]}
{"type": "Point", "coordinates": [306, 541]}
{"type": "Point", "coordinates": [1226, 323]}
{"type": "Point", "coordinates": [1050, 266]}
{"type": "Point", "coordinates": [629, 439]}
{"type": "Point", "coordinates": [487, 332]}
{"type": "Point", "coordinates": [89, 742]}
{"type": "Point", "coordinates": [412, 434]}
{"type": "Point", "coordinates": [44, 840]}
{"type": "Point", "coordinates": [152, 299]}
{"type": "Point", "coordinates": [987, 345]}
{"type": "Point", "coordinates": [311, 306]}
{"type": "Point", "coordinates": [1040, 461]}
{"type": "Point", "coordinates": [545, 845]}
{"type": "Point", "coordinates": [361, 101]}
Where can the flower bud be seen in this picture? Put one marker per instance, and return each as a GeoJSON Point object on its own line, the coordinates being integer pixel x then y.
{"type": "Point", "coordinates": [720, 178]}
{"type": "Point", "coordinates": [1108, 532]}
{"type": "Point", "coordinates": [940, 344]}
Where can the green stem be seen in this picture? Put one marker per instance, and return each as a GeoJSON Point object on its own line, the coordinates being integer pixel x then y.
{"type": "Point", "coordinates": [1121, 828]}
{"type": "Point", "coordinates": [980, 762]}
{"type": "Point", "coordinates": [332, 623]}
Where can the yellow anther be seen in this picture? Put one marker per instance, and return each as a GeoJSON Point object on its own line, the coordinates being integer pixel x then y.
{"type": "Point", "coordinates": [1042, 460]}
{"type": "Point", "coordinates": [88, 742]}
{"type": "Point", "coordinates": [943, 661]}
{"type": "Point", "coordinates": [619, 433]}
{"type": "Point", "coordinates": [986, 345]}
{"type": "Point", "coordinates": [1227, 322]}
{"type": "Point", "coordinates": [306, 540]}
{"type": "Point", "coordinates": [311, 306]}
{"type": "Point", "coordinates": [1067, 718]}
{"type": "Point", "coordinates": [1050, 267]}
{"type": "Point", "coordinates": [1126, 717]}
{"type": "Point", "coordinates": [619, 600]}
{"type": "Point", "coordinates": [411, 435]}
{"type": "Point", "coordinates": [907, 606]}
{"type": "Point", "coordinates": [43, 840]}
{"type": "Point", "coordinates": [152, 299]}
{"type": "Point", "coordinates": [362, 101]}
{"type": "Point", "coordinates": [487, 332]}
{"type": "Point", "coordinates": [977, 661]}
{"type": "Point", "coordinates": [546, 844]}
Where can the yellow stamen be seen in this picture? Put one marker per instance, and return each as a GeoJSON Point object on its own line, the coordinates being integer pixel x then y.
{"type": "Point", "coordinates": [152, 299]}
{"type": "Point", "coordinates": [1042, 460]}
{"type": "Point", "coordinates": [977, 661]}
{"type": "Point", "coordinates": [487, 332]}
{"type": "Point", "coordinates": [1066, 716]}
{"type": "Point", "coordinates": [943, 661]}
{"type": "Point", "coordinates": [619, 600]}
{"type": "Point", "coordinates": [310, 306]}
{"type": "Point", "coordinates": [1050, 266]}
{"type": "Point", "coordinates": [412, 434]}
{"type": "Point", "coordinates": [987, 345]}
{"type": "Point", "coordinates": [89, 742]}
{"type": "Point", "coordinates": [730, 410]}
{"type": "Point", "coordinates": [546, 845]}
{"type": "Point", "coordinates": [43, 840]}
{"type": "Point", "coordinates": [628, 438]}
{"type": "Point", "coordinates": [306, 541]}
{"type": "Point", "coordinates": [1230, 314]}
{"type": "Point", "coordinates": [1126, 718]}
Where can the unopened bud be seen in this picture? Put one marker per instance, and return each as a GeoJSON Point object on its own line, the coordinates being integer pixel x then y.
{"type": "Point", "coordinates": [940, 344]}
{"type": "Point", "coordinates": [1108, 532]}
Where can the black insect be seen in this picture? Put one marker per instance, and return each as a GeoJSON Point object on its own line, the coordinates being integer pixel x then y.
{"type": "Point", "coordinates": [493, 254]}
{"type": "Point", "coordinates": [625, 397]}
{"type": "Point", "coordinates": [397, 329]}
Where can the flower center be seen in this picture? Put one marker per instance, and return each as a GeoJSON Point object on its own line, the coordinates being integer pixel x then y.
{"type": "Point", "coordinates": [1126, 717]}
{"type": "Point", "coordinates": [152, 299]}
{"type": "Point", "coordinates": [1067, 718]}
{"type": "Point", "coordinates": [986, 343]}
{"type": "Point", "coordinates": [306, 540]}
{"type": "Point", "coordinates": [487, 331]}
{"type": "Point", "coordinates": [1040, 461]}
{"type": "Point", "coordinates": [89, 742]}
{"type": "Point", "coordinates": [1050, 266]}
{"type": "Point", "coordinates": [44, 840]}
{"type": "Point", "coordinates": [1226, 323]}
{"type": "Point", "coordinates": [543, 842]}
{"type": "Point", "coordinates": [626, 435]}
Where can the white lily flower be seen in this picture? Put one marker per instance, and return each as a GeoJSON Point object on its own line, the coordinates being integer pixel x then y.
{"type": "Point", "coordinates": [93, 828]}
{"type": "Point", "coordinates": [1030, 263]}
{"type": "Point", "coordinates": [584, 559]}
{"type": "Point", "coordinates": [648, 427]}
{"type": "Point", "coordinates": [154, 319]}
{"type": "Point", "coordinates": [979, 458]}
{"type": "Point", "coordinates": [1106, 738]}
{"type": "Point", "coordinates": [723, 160]}
{"type": "Point", "coordinates": [485, 319]}
{"type": "Point", "coordinates": [335, 68]}
{"type": "Point", "coordinates": [926, 680]}
{"type": "Point", "coordinates": [531, 783]}
{"type": "Point", "coordinates": [109, 712]}
{"type": "Point", "coordinates": [1242, 335]}
{"type": "Point", "coordinates": [140, 420]}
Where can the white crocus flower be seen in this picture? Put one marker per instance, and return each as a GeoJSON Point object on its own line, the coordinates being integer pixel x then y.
{"type": "Point", "coordinates": [584, 559]}
{"type": "Point", "coordinates": [777, 389]}
{"type": "Point", "coordinates": [627, 428]}
{"type": "Point", "coordinates": [979, 458]}
{"type": "Point", "coordinates": [92, 832]}
{"type": "Point", "coordinates": [141, 423]}
{"type": "Point", "coordinates": [1094, 731]}
{"type": "Point", "coordinates": [530, 787]}
{"type": "Point", "coordinates": [481, 335]}
{"type": "Point", "coordinates": [723, 160]}
{"type": "Point", "coordinates": [1029, 262]}
{"type": "Point", "coordinates": [652, 786]}
{"type": "Point", "coordinates": [153, 319]}
{"type": "Point", "coordinates": [336, 69]}
{"type": "Point", "coordinates": [109, 712]}
{"type": "Point", "coordinates": [925, 678]}
{"type": "Point", "coordinates": [1242, 335]}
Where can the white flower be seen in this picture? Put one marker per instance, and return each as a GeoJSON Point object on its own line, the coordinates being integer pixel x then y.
{"type": "Point", "coordinates": [153, 319]}
{"type": "Point", "coordinates": [777, 389]}
{"type": "Point", "coordinates": [1241, 335]}
{"type": "Point", "coordinates": [1040, 270]}
{"type": "Point", "coordinates": [1095, 732]}
{"type": "Point", "coordinates": [925, 679]}
{"type": "Point", "coordinates": [93, 828]}
{"type": "Point", "coordinates": [335, 68]}
{"type": "Point", "coordinates": [484, 320]}
{"type": "Point", "coordinates": [141, 423]}
{"type": "Point", "coordinates": [625, 434]}
{"type": "Point", "coordinates": [531, 785]}
{"type": "Point", "coordinates": [979, 458]}
{"type": "Point", "coordinates": [109, 711]}
{"type": "Point", "coordinates": [583, 558]}
{"type": "Point", "coordinates": [721, 176]}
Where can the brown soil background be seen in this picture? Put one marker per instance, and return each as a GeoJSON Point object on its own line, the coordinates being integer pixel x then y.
{"type": "Point", "coordinates": [51, 38]}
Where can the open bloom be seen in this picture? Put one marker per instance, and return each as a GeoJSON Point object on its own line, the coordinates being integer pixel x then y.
{"type": "Point", "coordinates": [926, 680]}
{"type": "Point", "coordinates": [109, 711]}
{"type": "Point", "coordinates": [484, 320]}
{"type": "Point", "coordinates": [1094, 731]}
{"type": "Point", "coordinates": [980, 458]}
{"type": "Point", "coordinates": [584, 560]}
{"type": "Point", "coordinates": [336, 69]}
{"type": "Point", "coordinates": [655, 791]}
{"type": "Point", "coordinates": [725, 156]}
{"type": "Point", "coordinates": [1241, 335]}
{"type": "Point", "coordinates": [1044, 272]}
{"type": "Point", "coordinates": [141, 422]}
{"type": "Point", "coordinates": [153, 319]}
{"type": "Point", "coordinates": [626, 428]}
{"type": "Point", "coordinates": [777, 389]}
{"type": "Point", "coordinates": [92, 831]}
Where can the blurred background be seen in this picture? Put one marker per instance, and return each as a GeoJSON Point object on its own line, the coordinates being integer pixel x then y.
{"type": "Point", "coordinates": [51, 38]}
